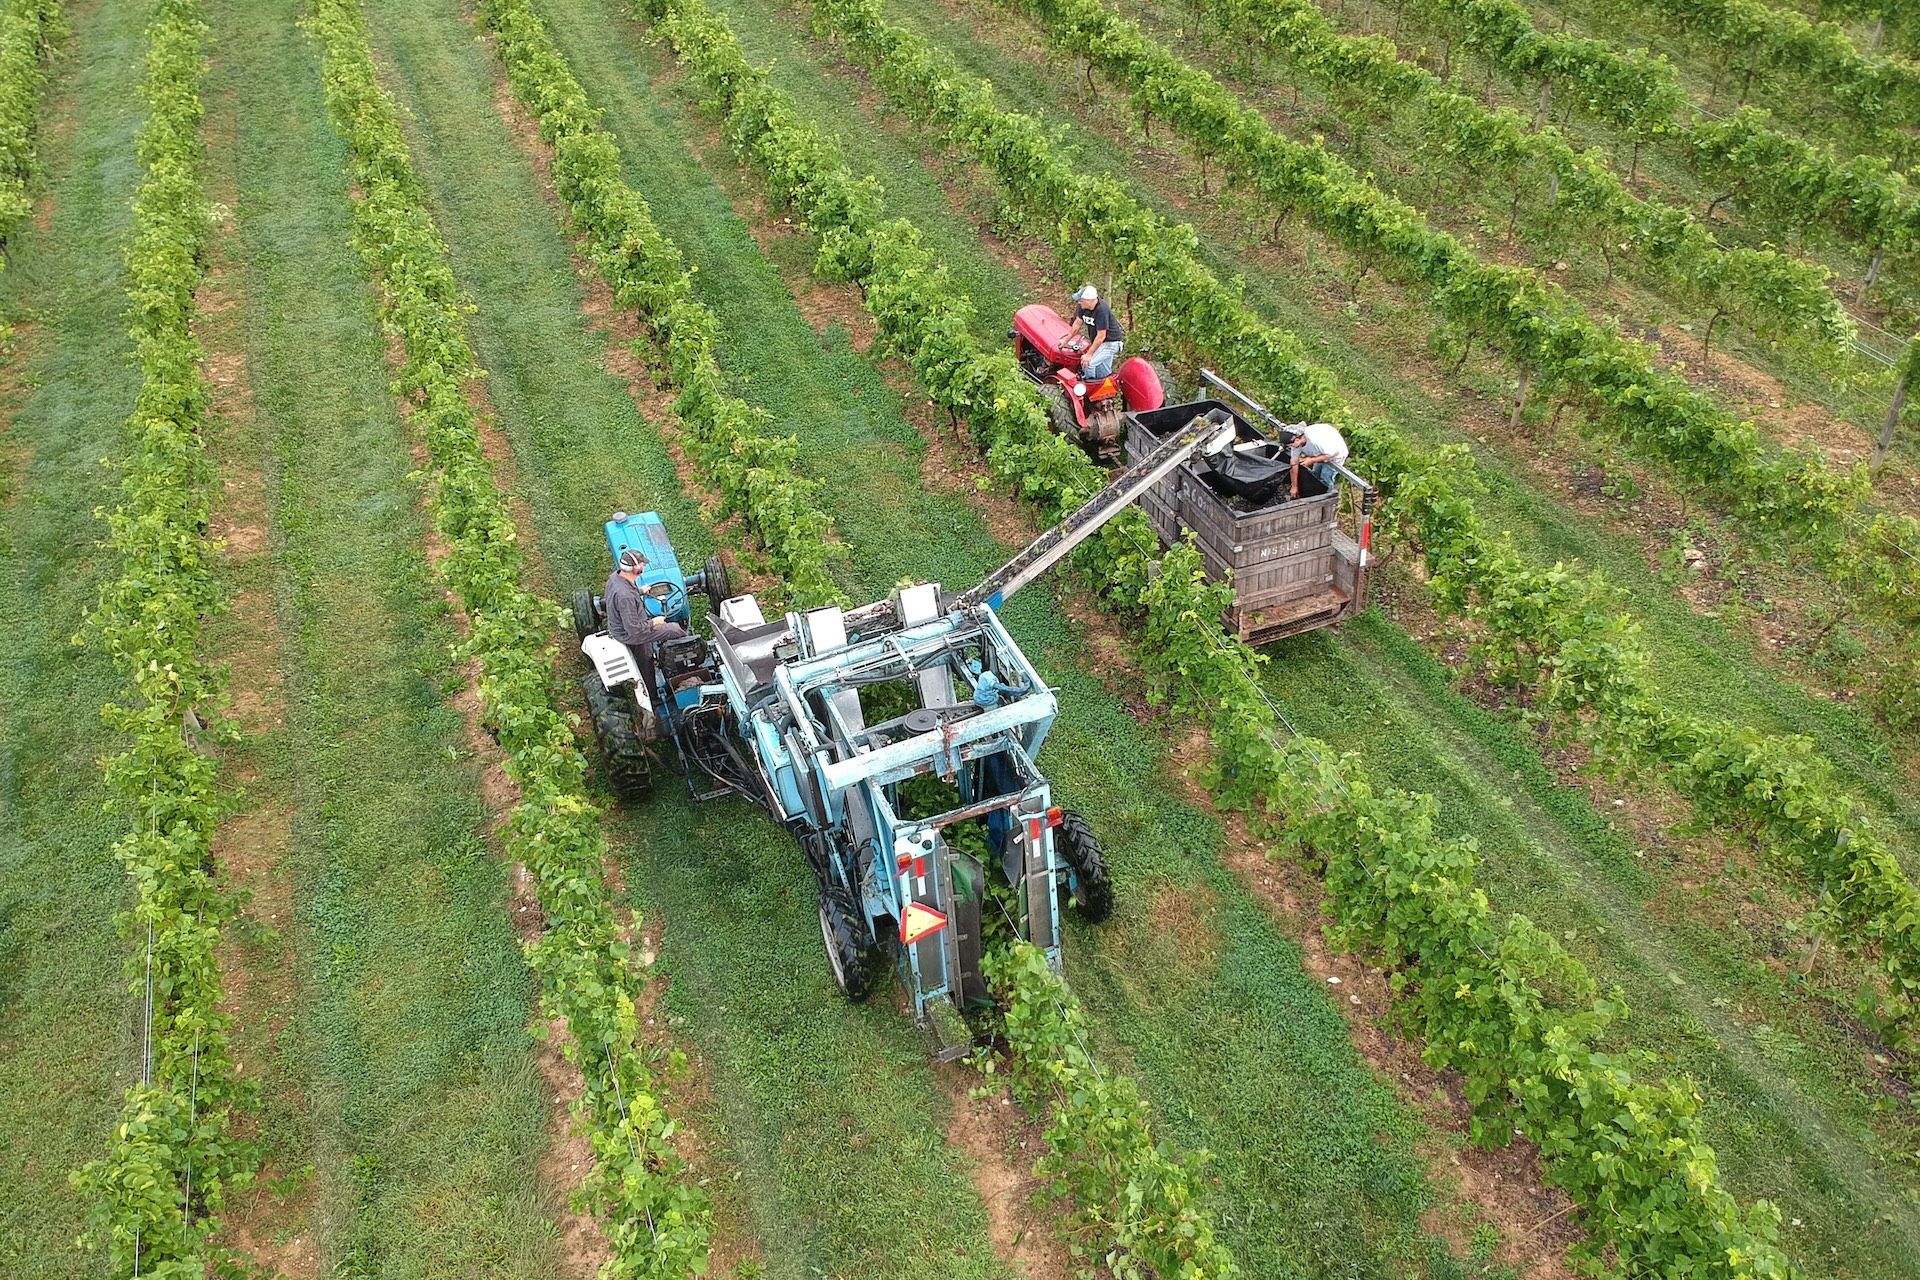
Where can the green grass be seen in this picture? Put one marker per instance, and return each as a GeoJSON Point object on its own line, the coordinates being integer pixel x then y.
{"type": "Point", "coordinates": [832, 1119]}
{"type": "Point", "coordinates": [418, 1103]}
{"type": "Point", "coordinates": [1244, 1054]}
{"type": "Point", "coordinates": [69, 1030]}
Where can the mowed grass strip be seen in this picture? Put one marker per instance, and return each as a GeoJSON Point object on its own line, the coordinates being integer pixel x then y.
{"type": "Point", "coordinates": [1278, 1097]}
{"type": "Point", "coordinates": [421, 1112]}
{"type": "Point", "coordinates": [830, 1117]}
{"type": "Point", "coordinates": [68, 1023]}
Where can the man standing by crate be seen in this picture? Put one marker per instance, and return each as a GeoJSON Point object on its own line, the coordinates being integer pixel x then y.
{"type": "Point", "coordinates": [1101, 330]}
{"type": "Point", "coordinates": [1322, 450]}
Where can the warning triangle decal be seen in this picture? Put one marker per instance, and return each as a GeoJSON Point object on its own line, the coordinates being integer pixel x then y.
{"type": "Point", "coordinates": [919, 921]}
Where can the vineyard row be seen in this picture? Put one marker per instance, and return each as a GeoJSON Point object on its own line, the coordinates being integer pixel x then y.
{"type": "Point", "coordinates": [1787, 184]}
{"type": "Point", "coordinates": [1104, 1156]}
{"type": "Point", "coordinates": [156, 1191]}
{"type": "Point", "coordinates": [657, 1221]}
{"type": "Point", "coordinates": [1882, 94]}
{"type": "Point", "coordinates": [1647, 1187]}
{"type": "Point", "coordinates": [27, 30]}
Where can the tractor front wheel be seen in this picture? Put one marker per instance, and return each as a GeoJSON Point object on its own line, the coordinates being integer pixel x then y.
{"type": "Point", "coordinates": [718, 588]}
{"type": "Point", "coordinates": [585, 622]}
{"type": "Point", "coordinates": [1087, 878]}
{"type": "Point", "coordinates": [844, 931]}
{"type": "Point", "coordinates": [622, 749]}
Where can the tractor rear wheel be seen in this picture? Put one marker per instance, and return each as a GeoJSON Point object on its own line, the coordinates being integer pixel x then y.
{"type": "Point", "coordinates": [849, 949]}
{"type": "Point", "coordinates": [623, 751]}
{"type": "Point", "coordinates": [718, 588]}
{"type": "Point", "coordinates": [1166, 382]}
{"type": "Point", "coordinates": [1060, 408]}
{"type": "Point", "coordinates": [585, 623]}
{"type": "Point", "coordinates": [1087, 878]}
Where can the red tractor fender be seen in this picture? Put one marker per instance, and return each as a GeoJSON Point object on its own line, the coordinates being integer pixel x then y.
{"type": "Point", "coordinates": [1140, 385]}
{"type": "Point", "coordinates": [1069, 378]}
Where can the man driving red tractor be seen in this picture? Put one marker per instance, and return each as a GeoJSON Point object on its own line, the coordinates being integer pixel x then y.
{"type": "Point", "coordinates": [1100, 329]}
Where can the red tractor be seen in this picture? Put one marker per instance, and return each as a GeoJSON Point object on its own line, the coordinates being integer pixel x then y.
{"type": "Point", "coordinates": [1085, 410]}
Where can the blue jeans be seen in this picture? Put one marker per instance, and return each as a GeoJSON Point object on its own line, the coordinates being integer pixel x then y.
{"type": "Point", "coordinates": [1099, 363]}
{"type": "Point", "coordinates": [1326, 472]}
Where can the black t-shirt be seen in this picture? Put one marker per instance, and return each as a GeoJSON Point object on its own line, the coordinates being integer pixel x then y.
{"type": "Point", "coordinates": [1101, 317]}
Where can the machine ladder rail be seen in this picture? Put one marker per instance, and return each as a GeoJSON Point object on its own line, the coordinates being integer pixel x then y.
{"type": "Point", "coordinates": [1127, 484]}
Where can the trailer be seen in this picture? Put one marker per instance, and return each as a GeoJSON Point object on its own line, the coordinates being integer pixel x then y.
{"type": "Point", "coordinates": [1293, 567]}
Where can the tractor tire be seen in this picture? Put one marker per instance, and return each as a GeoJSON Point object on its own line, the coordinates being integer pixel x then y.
{"type": "Point", "coordinates": [718, 588]}
{"type": "Point", "coordinates": [843, 930]}
{"type": "Point", "coordinates": [1168, 394]}
{"type": "Point", "coordinates": [585, 621]}
{"type": "Point", "coordinates": [1060, 407]}
{"type": "Point", "coordinates": [1087, 880]}
{"type": "Point", "coordinates": [623, 752]}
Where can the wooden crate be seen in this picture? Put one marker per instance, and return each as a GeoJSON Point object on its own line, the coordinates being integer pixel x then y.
{"type": "Point", "coordinates": [1292, 568]}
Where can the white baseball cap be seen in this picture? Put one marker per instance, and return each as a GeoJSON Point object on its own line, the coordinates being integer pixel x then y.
{"type": "Point", "coordinates": [1087, 294]}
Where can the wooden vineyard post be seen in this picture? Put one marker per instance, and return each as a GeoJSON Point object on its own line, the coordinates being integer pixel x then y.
{"type": "Point", "coordinates": [1885, 442]}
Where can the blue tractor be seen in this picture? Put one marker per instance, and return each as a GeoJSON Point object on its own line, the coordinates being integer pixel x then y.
{"type": "Point", "coordinates": [896, 741]}
{"type": "Point", "coordinates": [623, 713]}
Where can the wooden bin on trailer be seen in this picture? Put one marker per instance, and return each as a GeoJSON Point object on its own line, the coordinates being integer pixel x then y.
{"type": "Point", "coordinates": [1292, 567]}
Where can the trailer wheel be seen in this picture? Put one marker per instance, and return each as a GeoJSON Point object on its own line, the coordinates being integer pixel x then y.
{"type": "Point", "coordinates": [718, 588]}
{"type": "Point", "coordinates": [585, 623]}
{"type": "Point", "coordinates": [1087, 880]}
{"type": "Point", "coordinates": [622, 750]}
{"type": "Point", "coordinates": [844, 932]}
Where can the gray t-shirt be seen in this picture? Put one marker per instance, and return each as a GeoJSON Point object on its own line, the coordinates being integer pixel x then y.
{"type": "Point", "coordinates": [629, 621]}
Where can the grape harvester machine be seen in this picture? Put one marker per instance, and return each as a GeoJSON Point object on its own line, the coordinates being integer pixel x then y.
{"type": "Point", "coordinates": [774, 711]}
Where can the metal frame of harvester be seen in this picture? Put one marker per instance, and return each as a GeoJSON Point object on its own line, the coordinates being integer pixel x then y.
{"type": "Point", "coordinates": [771, 710]}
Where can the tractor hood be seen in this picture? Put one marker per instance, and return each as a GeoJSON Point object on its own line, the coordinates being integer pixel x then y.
{"type": "Point", "coordinates": [1042, 326]}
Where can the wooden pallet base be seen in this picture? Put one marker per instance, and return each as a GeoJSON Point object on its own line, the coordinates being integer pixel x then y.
{"type": "Point", "coordinates": [1277, 622]}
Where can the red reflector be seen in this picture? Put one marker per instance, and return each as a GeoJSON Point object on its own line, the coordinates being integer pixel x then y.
{"type": "Point", "coordinates": [1366, 534]}
{"type": "Point", "coordinates": [917, 921]}
{"type": "Point", "coordinates": [1055, 816]}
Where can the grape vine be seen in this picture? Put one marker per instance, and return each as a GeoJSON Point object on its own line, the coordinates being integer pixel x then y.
{"type": "Point", "coordinates": [157, 1191]}
{"type": "Point", "coordinates": [1879, 95]}
{"type": "Point", "coordinates": [1780, 170]}
{"type": "Point", "coordinates": [657, 1221]}
{"type": "Point", "coordinates": [27, 31]}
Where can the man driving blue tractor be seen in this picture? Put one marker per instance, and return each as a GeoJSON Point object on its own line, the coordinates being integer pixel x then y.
{"type": "Point", "coordinates": [628, 619]}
